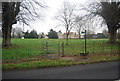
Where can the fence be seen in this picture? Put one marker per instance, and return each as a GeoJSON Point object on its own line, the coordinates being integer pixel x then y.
{"type": "Point", "coordinates": [49, 49]}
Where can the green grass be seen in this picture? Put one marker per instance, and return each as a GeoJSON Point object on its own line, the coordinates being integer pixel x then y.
{"type": "Point", "coordinates": [56, 63]}
{"type": "Point", "coordinates": [23, 50]}
{"type": "Point", "coordinates": [33, 47]}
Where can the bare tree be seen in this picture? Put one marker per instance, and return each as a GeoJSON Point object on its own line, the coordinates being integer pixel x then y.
{"type": "Point", "coordinates": [78, 25]}
{"type": "Point", "coordinates": [83, 24]}
{"type": "Point", "coordinates": [108, 12]}
{"type": "Point", "coordinates": [12, 12]}
{"type": "Point", "coordinates": [66, 16]}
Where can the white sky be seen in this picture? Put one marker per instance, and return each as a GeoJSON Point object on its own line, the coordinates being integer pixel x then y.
{"type": "Point", "coordinates": [49, 21]}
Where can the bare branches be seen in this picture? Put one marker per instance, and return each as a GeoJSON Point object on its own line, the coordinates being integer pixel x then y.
{"type": "Point", "coordinates": [29, 11]}
{"type": "Point", "coordinates": [66, 17]}
{"type": "Point", "coordinates": [66, 14]}
{"type": "Point", "coordinates": [108, 12]}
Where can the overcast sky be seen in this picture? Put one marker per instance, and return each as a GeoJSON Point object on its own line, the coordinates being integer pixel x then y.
{"type": "Point", "coordinates": [49, 19]}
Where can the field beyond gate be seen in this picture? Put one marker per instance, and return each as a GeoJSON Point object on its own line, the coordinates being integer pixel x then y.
{"type": "Point", "coordinates": [31, 50]}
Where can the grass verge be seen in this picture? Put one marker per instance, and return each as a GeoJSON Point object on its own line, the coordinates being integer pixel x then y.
{"type": "Point", "coordinates": [56, 63]}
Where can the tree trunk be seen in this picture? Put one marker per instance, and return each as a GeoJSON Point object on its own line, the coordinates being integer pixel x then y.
{"type": "Point", "coordinates": [9, 12]}
{"type": "Point", "coordinates": [67, 39]}
{"type": "Point", "coordinates": [6, 41]}
{"type": "Point", "coordinates": [112, 36]}
{"type": "Point", "coordinates": [6, 35]}
{"type": "Point", "coordinates": [112, 30]}
{"type": "Point", "coordinates": [79, 35]}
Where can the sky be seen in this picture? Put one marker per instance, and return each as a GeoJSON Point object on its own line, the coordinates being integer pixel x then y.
{"type": "Point", "coordinates": [49, 21]}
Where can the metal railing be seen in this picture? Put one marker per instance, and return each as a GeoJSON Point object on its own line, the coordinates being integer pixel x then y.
{"type": "Point", "coordinates": [55, 50]}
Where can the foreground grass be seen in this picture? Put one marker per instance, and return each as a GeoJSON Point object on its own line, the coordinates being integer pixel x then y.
{"type": "Point", "coordinates": [57, 62]}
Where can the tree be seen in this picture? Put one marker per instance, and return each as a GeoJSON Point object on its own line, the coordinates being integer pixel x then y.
{"type": "Point", "coordinates": [109, 12]}
{"type": "Point", "coordinates": [105, 32]}
{"type": "Point", "coordinates": [0, 34]}
{"type": "Point", "coordinates": [13, 32]}
{"type": "Point", "coordinates": [26, 34]}
{"type": "Point", "coordinates": [12, 12]}
{"type": "Point", "coordinates": [66, 17]}
{"type": "Point", "coordinates": [32, 34]}
{"type": "Point", "coordinates": [9, 13]}
{"type": "Point", "coordinates": [83, 24]}
{"type": "Point", "coordinates": [119, 34]}
{"type": "Point", "coordinates": [52, 34]}
{"type": "Point", "coordinates": [112, 19]}
{"type": "Point", "coordinates": [78, 25]}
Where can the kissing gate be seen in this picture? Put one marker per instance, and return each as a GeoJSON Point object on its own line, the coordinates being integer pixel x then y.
{"type": "Point", "coordinates": [53, 49]}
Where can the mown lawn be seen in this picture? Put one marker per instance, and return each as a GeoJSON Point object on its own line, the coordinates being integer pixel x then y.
{"type": "Point", "coordinates": [26, 53]}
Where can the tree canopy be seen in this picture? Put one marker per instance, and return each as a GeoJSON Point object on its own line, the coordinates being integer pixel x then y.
{"type": "Point", "coordinates": [32, 34]}
{"type": "Point", "coordinates": [52, 34]}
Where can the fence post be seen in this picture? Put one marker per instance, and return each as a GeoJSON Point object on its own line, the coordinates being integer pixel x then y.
{"type": "Point", "coordinates": [83, 47]}
{"type": "Point", "coordinates": [93, 48]}
{"type": "Point", "coordinates": [46, 47]}
{"type": "Point", "coordinates": [62, 48]}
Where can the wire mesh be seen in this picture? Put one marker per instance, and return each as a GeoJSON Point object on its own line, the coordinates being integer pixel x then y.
{"type": "Point", "coordinates": [48, 49]}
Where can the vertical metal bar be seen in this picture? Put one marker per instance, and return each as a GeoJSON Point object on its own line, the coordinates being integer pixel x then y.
{"type": "Point", "coordinates": [43, 48]}
{"type": "Point", "coordinates": [93, 47]}
{"type": "Point", "coordinates": [85, 42]}
{"type": "Point", "coordinates": [83, 46]}
{"type": "Point", "coordinates": [46, 47]}
{"type": "Point", "coordinates": [103, 47]}
{"type": "Point", "coordinates": [58, 49]}
{"type": "Point", "coordinates": [62, 48]}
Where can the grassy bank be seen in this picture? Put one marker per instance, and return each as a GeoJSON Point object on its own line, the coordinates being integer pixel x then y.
{"type": "Point", "coordinates": [57, 62]}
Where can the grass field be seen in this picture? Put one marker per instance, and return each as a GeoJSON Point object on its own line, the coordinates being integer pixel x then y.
{"type": "Point", "coordinates": [26, 53]}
